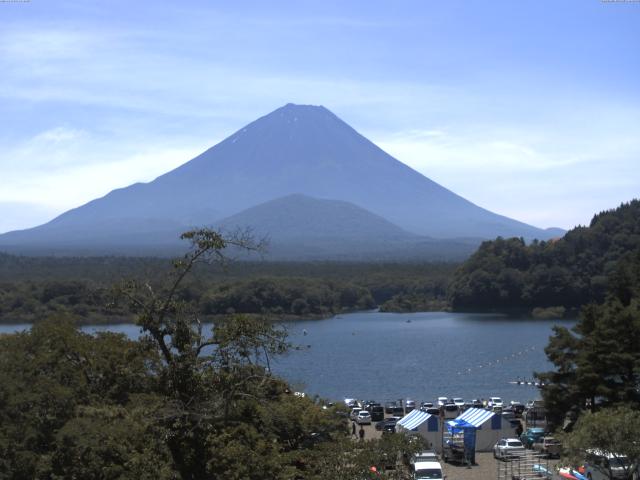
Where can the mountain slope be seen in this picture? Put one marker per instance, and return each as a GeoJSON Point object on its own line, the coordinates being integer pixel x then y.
{"type": "Point", "coordinates": [301, 227]}
{"type": "Point", "coordinates": [295, 149]}
{"type": "Point", "coordinates": [299, 216]}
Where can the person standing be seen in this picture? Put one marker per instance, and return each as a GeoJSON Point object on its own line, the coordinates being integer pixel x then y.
{"type": "Point", "coordinates": [361, 432]}
{"type": "Point", "coordinates": [353, 429]}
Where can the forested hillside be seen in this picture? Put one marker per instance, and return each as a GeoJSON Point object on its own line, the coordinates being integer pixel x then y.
{"type": "Point", "coordinates": [597, 362]}
{"type": "Point", "coordinates": [32, 288]}
{"type": "Point", "coordinates": [568, 272]}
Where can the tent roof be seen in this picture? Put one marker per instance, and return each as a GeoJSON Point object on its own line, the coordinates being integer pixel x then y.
{"type": "Point", "coordinates": [473, 417]}
{"type": "Point", "coordinates": [414, 419]}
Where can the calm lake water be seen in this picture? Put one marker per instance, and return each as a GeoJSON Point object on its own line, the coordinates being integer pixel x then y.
{"type": "Point", "coordinates": [387, 356]}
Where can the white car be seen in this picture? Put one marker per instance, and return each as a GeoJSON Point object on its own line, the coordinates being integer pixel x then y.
{"type": "Point", "coordinates": [429, 470]}
{"type": "Point", "coordinates": [459, 402]}
{"type": "Point", "coordinates": [363, 418]}
{"type": "Point", "coordinates": [508, 448]}
{"type": "Point", "coordinates": [494, 402]}
{"type": "Point", "coordinates": [442, 400]}
{"type": "Point", "coordinates": [424, 456]}
{"type": "Point", "coordinates": [354, 413]}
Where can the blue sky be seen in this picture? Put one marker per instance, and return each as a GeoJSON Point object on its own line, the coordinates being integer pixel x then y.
{"type": "Point", "coordinates": [529, 108]}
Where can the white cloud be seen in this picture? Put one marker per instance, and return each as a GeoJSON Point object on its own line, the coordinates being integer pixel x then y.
{"type": "Point", "coordinates": [61, 169]}
{"type": "Point", "coordinates": [540, 178]}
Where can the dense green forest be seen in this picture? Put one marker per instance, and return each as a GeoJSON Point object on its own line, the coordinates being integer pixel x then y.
{"type": "Point", "coordinates": [598, 361]}
{"type": "Point", "coordinates": [568, 272]}
{"type": "Point", "coordinates": [31, 288]}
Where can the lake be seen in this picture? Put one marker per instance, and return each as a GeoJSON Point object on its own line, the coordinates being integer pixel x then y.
{"type": "Point", "coordinates": [387, 356]}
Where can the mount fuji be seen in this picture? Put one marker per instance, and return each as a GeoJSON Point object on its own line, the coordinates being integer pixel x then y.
{"type": "Point", "coordinates": [300, 175]}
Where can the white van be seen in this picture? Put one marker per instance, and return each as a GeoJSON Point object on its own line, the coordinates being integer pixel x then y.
{"type": "Point", "coordinates": [427, 471]}
{"type": "Point", "coordinates": [606, 466]}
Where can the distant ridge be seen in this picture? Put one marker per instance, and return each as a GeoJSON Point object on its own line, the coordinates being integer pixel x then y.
{"type": "Point", "coordinates": [299, 216]}
{"type": "Point", "coordinates": [297, 149]}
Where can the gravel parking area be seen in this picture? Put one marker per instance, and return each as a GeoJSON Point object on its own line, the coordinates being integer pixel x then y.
{"type": "Point", "coordinates": [486, 467]}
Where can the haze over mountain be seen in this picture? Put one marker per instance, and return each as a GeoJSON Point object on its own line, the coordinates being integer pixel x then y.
{"type": "Point", "coordinates": [302, 227]}
{"type": "Point", "coordinates": [297, 149]}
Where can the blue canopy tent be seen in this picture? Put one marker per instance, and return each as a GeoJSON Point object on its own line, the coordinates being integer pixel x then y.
{"type": "Point", "coordinates": [481, 427]}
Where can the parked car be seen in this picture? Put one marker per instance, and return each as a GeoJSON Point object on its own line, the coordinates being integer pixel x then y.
{"type": "Point", "coordinates": [451, 410]}
{"type": "Point", "coordinates": [508, 448]}
{"type": "Point", "coordinates": [350, 402]}
{"type": "Point", "coordinates": [367, 404]}
{"type": "Point", "coordinates": [458, 401]}
{"type": "Point", "coordinates": [433, 411]}
{"type": "Point", "coordinates": [354, 412]}
{"type": "Point", "coordinates": [363, 418]}
{"type": "Point", "coordinates": [409, 405]}
{"type": "Point", "coordinates": [424, 456]}
{"type": "Point", "coordinates": [425, 405]}
{"type": "Point", "coordinates": [377, 413]}
{"type": "Point", "coordinates": [494, 402]}
{"type": "Point", "coordinates": [389, 406]}
{"type": "Point", "coordinates": [442, 400]}
{"type": "Point", "coordinates": [389, 428]}
{"type": "Point", "coordinates": [507, 414]}
{"type": "Point", "coordinates": [531, 435]}
{"type": "Point", "coordinates": [397, 411]}
{"type": "Point", "coordinates": [606, 466]}
{"type": "Point", "coordinates": [384, 423]}
{"type": "Point", "coordinates": [477, 403]}
{"type": "Point", "coordinates": [518, 409]}
{"type": "Point", "coordinates": [429, 470]}
{"type": "Point", "coordinates": [548, 446]}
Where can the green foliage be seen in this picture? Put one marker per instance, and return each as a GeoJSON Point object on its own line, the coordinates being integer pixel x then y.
{"type": "Point", "coordinates": [180, 403]}
{"type": "Point", "coordinates": [290, 296]}
{"type": "Point", "coordinates": [48, 375]}
{"type": "Point", "coordinates": [611, 431]}
{"type": "Point", "coordinates": [569, 272]}
{"type": "Point", "coordinates": [33, 288]}
{"type": "Point", "coordinates": [598, 364]}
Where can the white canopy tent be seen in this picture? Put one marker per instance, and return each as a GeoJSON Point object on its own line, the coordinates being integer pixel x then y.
{"type": "Point", "coordinates": [423, 424]}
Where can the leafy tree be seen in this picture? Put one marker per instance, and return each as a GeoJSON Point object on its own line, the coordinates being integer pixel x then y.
{"type": "Point", "coordinates": [50, 374]}
{"type": "Point", "coordinates": [598, 364]}
{"type": "Point", "coordinates": [611, 431]}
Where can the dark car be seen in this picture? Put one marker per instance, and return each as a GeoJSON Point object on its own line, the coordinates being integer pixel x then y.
{"type": "Point", "coordinates": [389, 428]}
{"type": "Point", "coordinates": [433, 411]}
{"type": "Point", "coordinates": [389, 421]}
{"type": "Point", "coordinates": [409, 406]}
{"type": "Point", "coordinates": [518, 409]}
{"type": "Point", "coordinates": [398, 411]}
{"type": "Point", "coordinates": [531, 435]}
{"type": "Point", "coordinates": [368, 404]}
{"type": "Point", "coordinates": [389, 406]}
{"type": "Point", "coordinates": [377, 413]}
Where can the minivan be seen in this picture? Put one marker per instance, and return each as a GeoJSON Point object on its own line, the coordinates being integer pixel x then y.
{"type": "Point", "coordinates": [598, 465]}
